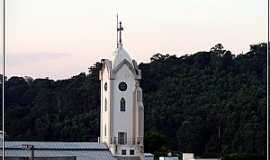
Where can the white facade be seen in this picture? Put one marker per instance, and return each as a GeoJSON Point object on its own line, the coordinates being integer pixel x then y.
{"type": "Point", "coordinates": [122, 123]}
{"type": "Point", "coordinates": [168, 158]}
{"type": "Point", "coordinates": [190, 156]}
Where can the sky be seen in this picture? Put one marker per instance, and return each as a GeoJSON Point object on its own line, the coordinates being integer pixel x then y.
{"type": "Point", "coordinates": [61, 38]}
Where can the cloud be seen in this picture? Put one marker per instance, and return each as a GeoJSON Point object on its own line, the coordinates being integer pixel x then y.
{"type": "Point", "coordinates": [15, 60]}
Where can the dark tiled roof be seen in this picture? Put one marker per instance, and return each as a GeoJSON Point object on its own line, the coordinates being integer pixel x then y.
{"type": "Point", "coordinates": [80, 150]}
{"type": "Point", "coordinates": [56, 145]}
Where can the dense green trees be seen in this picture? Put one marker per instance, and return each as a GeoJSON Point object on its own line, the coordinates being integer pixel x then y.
{"type": "Point", "coordinates": [206, 103]}
{"type": "Point", "coordinates": [192, 98]}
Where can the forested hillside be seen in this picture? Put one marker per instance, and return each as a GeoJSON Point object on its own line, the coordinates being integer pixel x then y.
{"type": "Point", "coordinates": [203, 103]}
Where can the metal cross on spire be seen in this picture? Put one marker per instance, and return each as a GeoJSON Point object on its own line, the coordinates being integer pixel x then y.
{"type": "Point", "coordinates": [119, 33]}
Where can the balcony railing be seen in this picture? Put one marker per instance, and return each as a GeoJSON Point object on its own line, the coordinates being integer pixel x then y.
{"type": "Point", "coordinates": [126, 141]}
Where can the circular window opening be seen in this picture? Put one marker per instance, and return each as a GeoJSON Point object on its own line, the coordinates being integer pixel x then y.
{"type": "Point", "coordinates": [122, 86]}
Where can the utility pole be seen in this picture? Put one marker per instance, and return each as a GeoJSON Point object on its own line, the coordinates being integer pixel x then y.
{"type": "Point", "coordinates": [219, 142]}
{"type": "Point", "coordinates": [3, 79]}
{"type": "Point", "coordinates": [32, 153]}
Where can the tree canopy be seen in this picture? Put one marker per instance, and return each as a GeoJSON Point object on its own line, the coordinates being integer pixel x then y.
{"type": "Point", "coordinates": [206, 103]}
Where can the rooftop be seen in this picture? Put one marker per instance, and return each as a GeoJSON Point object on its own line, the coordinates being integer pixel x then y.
{"type": "Point", "coordinates": [80, 150]}
{"type": "Point", "coordinates": [56, 145]}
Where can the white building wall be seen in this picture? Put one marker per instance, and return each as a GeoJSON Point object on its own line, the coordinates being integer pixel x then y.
{"type": "Point", "coordinates": [105, 114]}
{"type": "Point", "coordinates": [123, 121]}
{"type": "Point", "coordinates": [120, 121]}
{"type": "Point", "coordinates": [188, 156]}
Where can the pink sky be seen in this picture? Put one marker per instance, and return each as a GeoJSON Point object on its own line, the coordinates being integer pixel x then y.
{"type": "Point", "coordinates": [61, 38]}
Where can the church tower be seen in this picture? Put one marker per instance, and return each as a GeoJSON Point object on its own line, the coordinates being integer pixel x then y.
{"type": "Point", "coordinates": [122, 110]}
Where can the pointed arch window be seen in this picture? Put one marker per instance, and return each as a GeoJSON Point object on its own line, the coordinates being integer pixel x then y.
{"type": "Point", "coordinates": [105, 86]}
{"type": "Point", "coordinates": [122, 105]}
{"type": "Point", "coordinates": [105, 105]}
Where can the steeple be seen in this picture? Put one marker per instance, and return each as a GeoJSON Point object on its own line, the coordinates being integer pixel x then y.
{"type": "Point", "coordinates": [121, 107]}
{"type": "Point", "coordinates": [120, 53]}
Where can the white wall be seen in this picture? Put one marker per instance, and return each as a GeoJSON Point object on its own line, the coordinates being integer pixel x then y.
{"type": "Point", "coordinates": [206, 159]}
{"type": "Point", "coordinates": [116, 120]}
{"type": "Point", "coordinates": [123, 121]}
{"type": "Point", "coordinates": [188, 156]}
{"type": "Point", "coordinates": [105, 114]}
{"type": "Point", "coordinates": [168, 158]}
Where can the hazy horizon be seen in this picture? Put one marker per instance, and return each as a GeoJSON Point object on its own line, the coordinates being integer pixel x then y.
{"type": "Point", "coordinates": [61, 38]}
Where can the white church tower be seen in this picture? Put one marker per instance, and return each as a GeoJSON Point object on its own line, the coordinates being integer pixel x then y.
{"type": "Point", "coordinates": [122, 110]}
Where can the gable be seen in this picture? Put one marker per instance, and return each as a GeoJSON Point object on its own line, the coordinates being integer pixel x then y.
{"type": "Point", "coordinates": [124, 72]}
{"type": "Point", "coordinates": [124, 62]}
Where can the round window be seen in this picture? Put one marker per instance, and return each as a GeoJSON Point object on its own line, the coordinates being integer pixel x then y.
{"type": "Point", "coordinates": [122, 86]}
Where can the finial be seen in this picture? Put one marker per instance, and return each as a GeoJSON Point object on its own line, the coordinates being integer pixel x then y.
{"type": "Point", "coordinates": [119, 31]}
